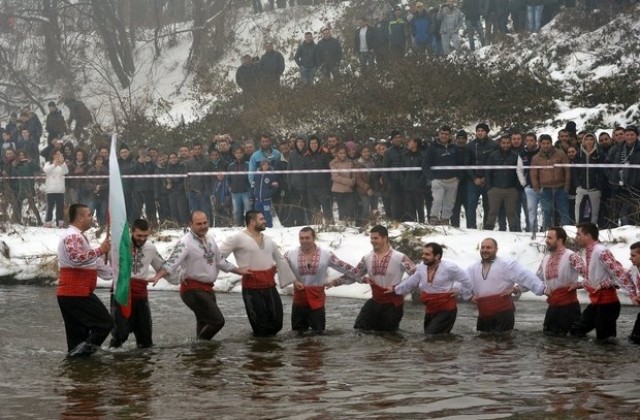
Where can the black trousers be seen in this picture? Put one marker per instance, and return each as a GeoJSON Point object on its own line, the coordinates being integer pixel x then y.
{"type": "Point", "coordinates": [209, 319]}
{"type": "Point", "coordinates": [376, 316]}
{"type": "Point", "coordinates": [264, 310]}
{"type": "Point", "coordinates": [55, 200]}
{"type": "Point", "coordinates": [501, 322]}
{"type": "Point", "coordinates": [138, 323]}
{"type": "Point", "coordinates": [303, 318]}
{"type": "Point", "coordinates": [85, 320]}
{"type": "Point", "coordinates": [439, 322]}
{"type": "Point", "coordinates": [602, 318]}
{"type": "Point", "coordinates": [559, 319]}
{"type": "Point", "coordinates": [635, 333]}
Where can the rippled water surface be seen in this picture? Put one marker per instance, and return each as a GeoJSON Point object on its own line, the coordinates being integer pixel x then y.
{"type": "Point", "coordinates": [339, 375]}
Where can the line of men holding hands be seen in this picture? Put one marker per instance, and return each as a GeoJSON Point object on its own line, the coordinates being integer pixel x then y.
{"type": "Point", "coordinates": [196, 260]}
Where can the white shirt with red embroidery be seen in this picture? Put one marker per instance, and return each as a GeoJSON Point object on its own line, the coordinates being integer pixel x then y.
{"type": "Point", "coordinates": [143, 258]}
{"type": "Point", "coordinates": [500, 276]}
{"type": "Point", "coordinates": [561, 269]}
{"type": "Point", "coordinates": [385, 271]}
{"type": "Point", "coordinates": [605, 271]}
{"type": "Point", "coordinates": [198, 258]}
{"type": "Point", "coordinates": [75, 251]}
{"type": "Point", "coordinates": [448, 276]}
{"type": "Point", "coordinates": [313, 272]}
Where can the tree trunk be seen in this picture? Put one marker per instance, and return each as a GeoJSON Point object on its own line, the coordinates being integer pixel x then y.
{"type": "Point", "coordinates": [54, 66]}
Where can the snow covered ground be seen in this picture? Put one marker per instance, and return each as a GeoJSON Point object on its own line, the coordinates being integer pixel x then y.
{"type": "Point", "coordinates": [33, 251]}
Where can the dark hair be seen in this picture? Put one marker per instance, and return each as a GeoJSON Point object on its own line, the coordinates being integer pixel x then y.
{"type": "Point", "coordinates": [560, 233]}
{"type": "Point", "coordinates": [545, 137]}
{"type": "Point", "coordinates": [250, 215]}
{"type": "Point", "coordinates": [445, 128]}
{"type": "Point", "coordinates": [435, 247]}
{"type": "Point", "coordinates": [139, 224]}
{"type": "Point", "coordinates": [309, 229]}
{"type": "Point", "coordinates": [308, 33]}
{"type": "Point", "coordinates": [590, 229]}
{"type": "Point", "coordinates": [531, 134]}
{"type": "Point", "coordinates": [635, 245]}
{"type": "Point", "coordinates": [74, 210]}
{"type": "Point", "coordinates": [380, 230]}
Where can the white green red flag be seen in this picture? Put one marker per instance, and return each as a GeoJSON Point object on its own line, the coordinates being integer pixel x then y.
{"type": "Point", "coordinates": [120, 234]}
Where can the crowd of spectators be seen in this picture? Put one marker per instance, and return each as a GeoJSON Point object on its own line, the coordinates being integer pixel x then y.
{"type": "Point", "coordinates": [544, 182]}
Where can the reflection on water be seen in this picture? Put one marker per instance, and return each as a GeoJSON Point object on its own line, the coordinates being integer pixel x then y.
{"type": "Point", "coordinates": [341, 374]}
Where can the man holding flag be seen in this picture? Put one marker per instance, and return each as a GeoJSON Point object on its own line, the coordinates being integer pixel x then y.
{"type": "Point", "coordinates": [144, 254]}
{"type": "Point", "coordinates": [86, 320]}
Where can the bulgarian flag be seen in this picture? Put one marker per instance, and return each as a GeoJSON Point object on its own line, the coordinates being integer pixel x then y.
{"type": "Point", "coordinates": [120, 235]}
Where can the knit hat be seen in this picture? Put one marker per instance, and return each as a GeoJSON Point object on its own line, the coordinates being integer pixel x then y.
{"type": "Point", "coordinates": [351, 145]}
{"type": "Point", "coordinates": [394, 133]}
{"type": "Point", "coordinates": [482, 126]}
{"type": "Point", "coordinates": [462, 133]}
{"type": "Point", "coordinates": [51, 104]}
{"type": "Point", "coordinates": [571, 127]}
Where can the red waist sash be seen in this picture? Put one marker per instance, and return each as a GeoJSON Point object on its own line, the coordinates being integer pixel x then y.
{"type": "Point", "coordinates": [191, 284]}
{"type": "Point", "coordinates": [139, 289]}
{"type": "Point", "coordinates": [76, 281]}
{"type": "Point", "coordinates": [311, 296]}
{"type": "Point", "coordinates": [259, 279]}
{"type": "Point", "coordinates": [562, 296]}
{"type": "Point", "coordinates": [379, 296]}
{"type": "Point", "coordinates": [438, 302]}
{"type": "Point", "coordinates": [602, 296]}
{"type": "Point", "coordinates": [489, 306]}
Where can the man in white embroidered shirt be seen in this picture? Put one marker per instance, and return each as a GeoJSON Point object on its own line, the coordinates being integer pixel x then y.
{"type": "Point", "coordinates": [440, 282]}
{"type": "Point", "coordinates": [381, 268]}
{"type": "Point", "coordinates": [494, 282]}
{"type": "Point", "coordinates": [559, 271]}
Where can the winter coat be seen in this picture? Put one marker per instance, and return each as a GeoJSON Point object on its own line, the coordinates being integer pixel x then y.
{"type": "Point", "coordinates": [126, 168]}
{"type": "Point", "coordinates": [558, 177]}
{"type": "Point", "coordinates": [54, 181]}
{"type": "Point", "coordinates": [102, 193]}
{"type": "Point", "coordinates": [79, 113]}
{"type": "Point", "coordinates": [266, 185]}
{"type": "Point", "coordinates": [343, 181]}
{"type": "Point", "coordinates": [30, 146]}
{"type": "Point", "coordinates": [25, 187]}
{"type": "Point", "coordinates": [370, 37]}
{"type": "Point", "coordinates": [450, 19]}
{"type": "Point", "coordinates": [477, 153]}
{"type": "Point", "coordinates": [79, 170]}
{"type": "Point", "coordinates": [246, 77]}
{"type": "Point", "coordinates": [307, 55]}
{"type": "Point", "coordinates": [318, 160]}
{"type": "Point", "coordinates": [398, 33]}
{"type": "Point", "coordinates": [589, 178]}
{"type": "Point", "coordinates": [330, 52]}
{"type": "Point", "coordinates": [503, 178]}
{"type": "Point", "coordinates": [198, 183]}
{"type": "Point", "coordinates": [296, 181]}
{"type": "Point", "coordinates": [177, 183]}
{"type": "Point", "coordinates": [365, 180]}
{"type": "Point", "coordinates": [238, 183]}
{"type": "Point", "coordinates": [143, 184]}
{"type": "Point", "coordinates": [55, 124]}
{"type": "Point", "coordinates": [35, 127]}
{"type": "Point", "coordinates": [272, 66]}
{"type": "Point", "coordinates": [413, 180]}
{"type": "Point", "coordinates": [629, 177]}
{"type": "Point", "coordinates": [393, 158]}
{"type": "Point", "coordinates": [420, 27]}
{"type": "Point", "coordinates": [439, 154]}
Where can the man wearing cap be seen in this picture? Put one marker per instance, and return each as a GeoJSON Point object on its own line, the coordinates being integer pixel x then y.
{"type": "Point", "coordinates": [476, 155]}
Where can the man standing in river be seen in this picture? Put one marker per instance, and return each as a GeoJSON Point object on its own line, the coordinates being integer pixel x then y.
{"type": "Point", "coordinates": [310, 264]}
{"type": "Point", "coordinates": [494, 281]}
{"type": "Point", "coordinates": [252, 249]}
{"type": "Point", "coordinates": [198, 256]}
{"type": "Point", "coordinates": [381, 268]}
{"type": "Point", "coordinates": [440, 282]}
{"type": "Point", "coordinates": [87, 322]}
{"type": "Point", "coordinates": [559, 270]}
{"type": "Point", "coordinates": [144, 255]}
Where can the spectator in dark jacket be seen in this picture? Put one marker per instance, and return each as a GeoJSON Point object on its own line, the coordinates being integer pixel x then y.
{"type": "Point", "coordinates": [266, 187]}
{"type": "Point", "coordinates": [31, 122]}
{"type": "Point", "coordinates": [444, 183]}
{"type": "Point", "coordinates": [393, 180]}
{"type": "Point", "coordinates": [239, 186]}
{"type": "Point", "coordinates": [413, 182]}
{"type": "Point", "coordinates": [318, 184]}
{"type": "Point", "coordinates": [625, 199]}
{"type": "Point", "coordinates": [307, 58]}
{"type": "Point", "coordinates": [297, 183]}
{"type": "Point", "coordinates": [247, 76]}
{"type": "Point", "coordinates": [398, 31]}
{"type": "Point", "coordinates": [477, 153]}
{"type": "Point", "coordinates": [98, 189]}
{"type": "Point", "coordinates": [330, 52]}
{"type": "Point", "coordinates": [175, 185]}
{"type": "Point", "coordinates": [79, 113]}
{"type": "Point", "coordinates": [199, 185]}
{"type": "Point", "coordinates": [503, 185]}
{"type": "Point", "coordinates": [143, 188]}
{"type": "Point", "coordinates": [271, 66]}
{"type": "Point", "coordinates": [365, 43]}
{"type": "Point", "coordinates": [55, 125]}
{"type": "Point", "coordinates": [472, 10]}
{"type": "Point", "coordinates": [29, 144]}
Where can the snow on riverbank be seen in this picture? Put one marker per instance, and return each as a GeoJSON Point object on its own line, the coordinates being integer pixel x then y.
{"type": "Point", "coordinates": [33, 251]}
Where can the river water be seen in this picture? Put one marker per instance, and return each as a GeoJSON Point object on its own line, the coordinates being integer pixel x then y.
{"type": "Point", "coordinates": [341, 374]}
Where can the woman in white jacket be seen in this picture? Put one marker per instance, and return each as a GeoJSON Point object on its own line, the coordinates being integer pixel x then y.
{"type": "Point", "coordinates": [55, 170]}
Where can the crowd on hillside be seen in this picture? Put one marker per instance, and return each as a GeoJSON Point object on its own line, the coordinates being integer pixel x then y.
{"type": "Point", "coordinates": [363, 180]}
{"type": "Point", "coordinates": [397, 31]}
